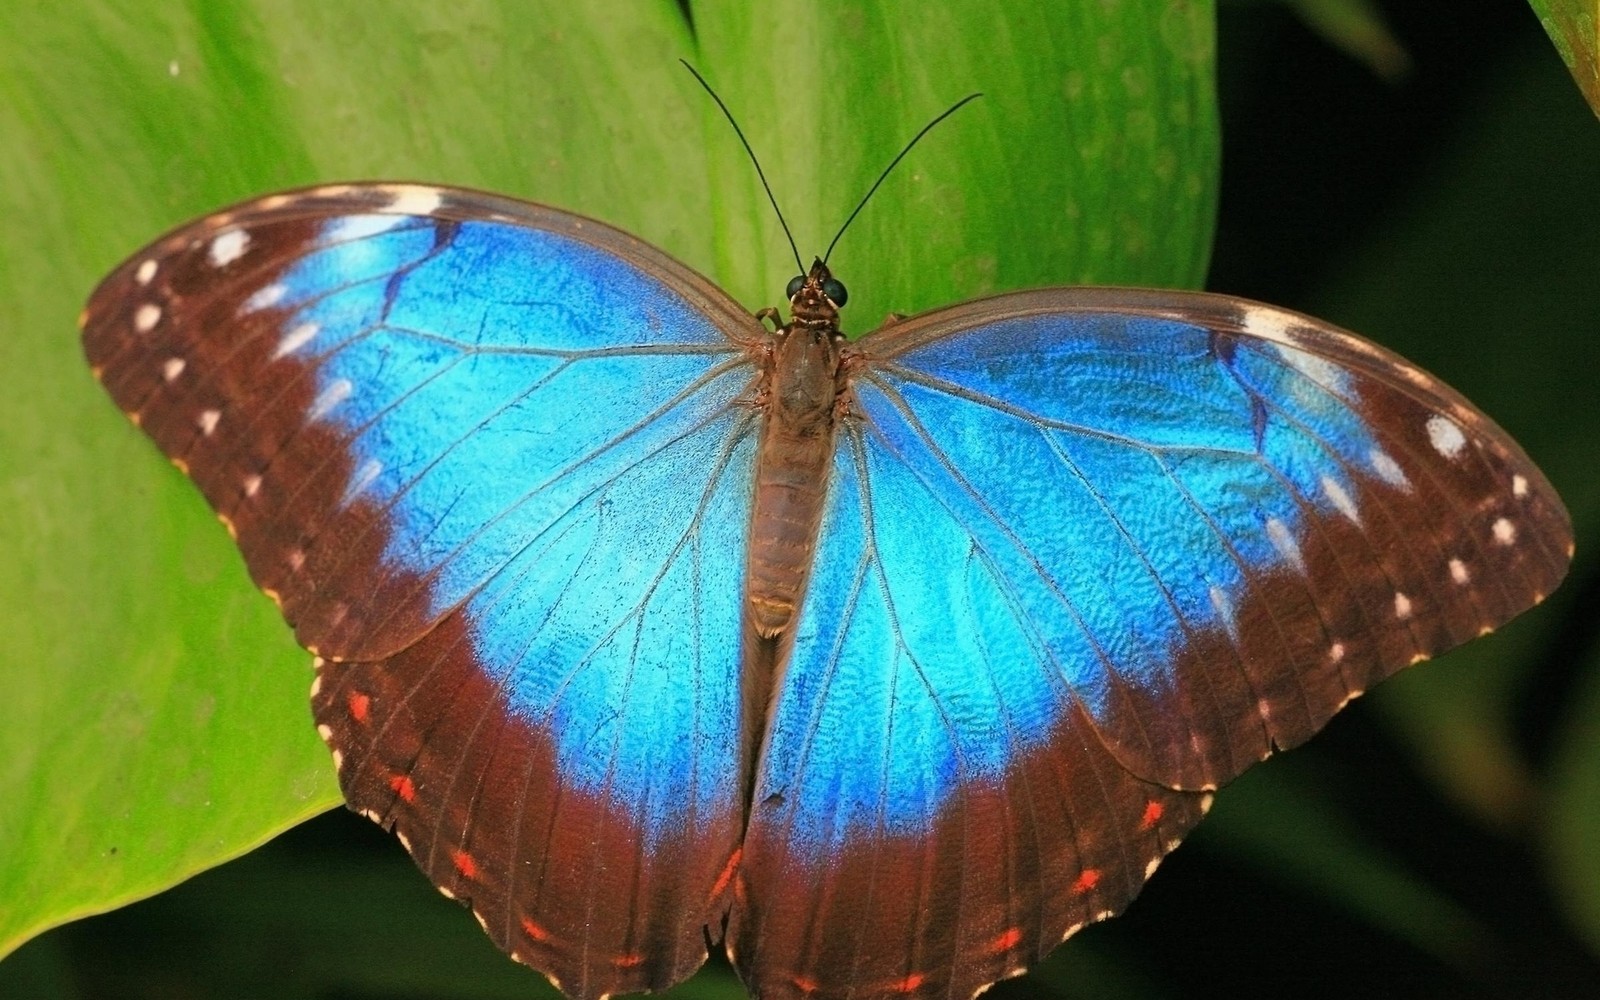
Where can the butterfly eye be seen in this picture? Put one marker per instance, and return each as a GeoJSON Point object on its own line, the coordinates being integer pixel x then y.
{"type": "Point", "coordinates": [795, 284]}
{"type": "Point", "coordinates": [835, 292]}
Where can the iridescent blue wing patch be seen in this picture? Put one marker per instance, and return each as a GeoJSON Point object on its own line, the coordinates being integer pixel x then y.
{"type": "Point", "coordinates": [494, 463]}
{"type": "Point", "coordinates": [1088, 554]}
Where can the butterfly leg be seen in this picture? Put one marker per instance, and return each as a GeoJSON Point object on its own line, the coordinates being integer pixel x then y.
{"type": "Point", "coordinates": [768, 313]}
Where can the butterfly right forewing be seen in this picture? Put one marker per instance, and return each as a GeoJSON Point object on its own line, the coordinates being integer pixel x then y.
{"type": "Point", "coordinates": [1088, 554]}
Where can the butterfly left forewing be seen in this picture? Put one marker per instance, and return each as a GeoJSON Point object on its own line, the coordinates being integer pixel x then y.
{"type": "Point", "coordinates": [1252, 516]}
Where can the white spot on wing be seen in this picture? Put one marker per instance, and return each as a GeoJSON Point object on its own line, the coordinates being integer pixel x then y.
{"type": "Point", "coordinates": [1314, 367]}
{"type": "Point", "coordinates": [1402, 606]}
{"type": "Point", "coordinates": [414, 200]}
{"type": "Point", "coordinates": [1268, 323]}
{"type": "Point", "coordinates": [324, 732]}
{"type": "Point", "coordinates": [1504, 531]}
{"type": "Point", "coordinates": [1340, 499]}
{"type": "Point", "coordinates": [1458, 572]}
{"type": "Point", "coordinates": [146, 317]}
{"type": "Point", "coordinates": [336, 392]}
{"type": "Point", "coordinates": [1445, 436]}
{"type": "Point", "coordinates": [265, 297]}
{"type": "Point", "coordinates": [172, 368]}
{"type": "Point", "coordinates": [1388, 469]}
{"type": "Point", "coordinates": [338, 760]}
{"type": "Point", "coordinates": [363, 478]}
{"type": "Point", "coordinates": [147, 271]}
{"type": "Point", "coordinates": [316, 685]}
{"type": "Point", "coordinates": [1283, 540]}
{"type": "Point", "coordinates": [295, 339]}
{"type": "Point", "coordinates": [1519, 486]}
{"type": "Point", "coordinates": [1150, 869]}
{"type": "Point", "coordinates": [1283, 329]}
{"type": "Point", "coordinates": [356, 227]}
{"type": "Point", "coordinates": [229, 247]}
{"type": "Point", "coordinates": [1220, 601]}
{"type": "Point", "coordinates": [252, 483]}
{"type": "Point", "coordinates": [1336, 652]}
{"type": "Point", "coordinates": [208, 421]}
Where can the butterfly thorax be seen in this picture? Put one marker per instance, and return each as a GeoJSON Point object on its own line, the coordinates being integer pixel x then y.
{"type": "Point", "coordinates": [800, 386]}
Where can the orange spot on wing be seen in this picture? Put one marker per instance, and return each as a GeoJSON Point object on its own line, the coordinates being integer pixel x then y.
{"type": "Point", "coordinates": [401, 783]}
{"type": "Point", "coordinates": [1089, 878]}
{"type": "Point", "coordinates": [360, 706]}
{"type": "Point", "coordinates": [727, 873]}
{"type": "Point", "coordinates": [628, 961]}
{"type": "Point", "coordinates": [804, 984]}
{"type": "Point", "coordinates": [909, 983]}
{"type": "Point", "coordinates": [1153, 811]}
{"type": "Point", "coordinates": [534, 931]}
{"type": "Point", "coordinates": [464, 864]}
{"type": "Point", "coordinates": [1006, 941]}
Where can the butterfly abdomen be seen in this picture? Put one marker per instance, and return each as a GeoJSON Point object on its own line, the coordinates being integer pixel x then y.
{"type": "Point", "coordinates": [791, 477]}
{"type": "Point", "coordinates": [783, 530]}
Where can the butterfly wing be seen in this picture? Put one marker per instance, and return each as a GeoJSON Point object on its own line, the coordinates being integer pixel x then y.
{"type": "Point", "coordinates": [1088, 554]}
{"type": "Point", "coordinates": [491, 460]}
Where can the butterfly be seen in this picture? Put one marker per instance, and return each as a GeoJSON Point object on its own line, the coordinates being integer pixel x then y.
{"type": "Point", "coordinates": [887, 664]}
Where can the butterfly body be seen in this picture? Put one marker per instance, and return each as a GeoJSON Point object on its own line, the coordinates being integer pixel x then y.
{"type": "Point", "coordinates": [888, 663]}
{"type": "Point", "coordinates": [804, 384]}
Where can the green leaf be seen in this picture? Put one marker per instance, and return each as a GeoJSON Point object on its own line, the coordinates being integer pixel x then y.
{"type": "Point", "coordinates": [1091, 158]}
{"type": "Point", "coordinates": [153, 716]}
{"type": "Point", "coordinates": [1574, 26]}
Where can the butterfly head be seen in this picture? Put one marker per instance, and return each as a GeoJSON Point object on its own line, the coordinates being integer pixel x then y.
{"type": "Point", "coordinates": [816, 298]}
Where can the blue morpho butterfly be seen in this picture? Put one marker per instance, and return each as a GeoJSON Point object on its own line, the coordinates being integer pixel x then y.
{"type": "Point", "coordinates": [891, 663]}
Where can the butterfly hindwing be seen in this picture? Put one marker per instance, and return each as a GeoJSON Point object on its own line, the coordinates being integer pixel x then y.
{"type": "Point", "coordinates": [899, 783]}
{"type": "Point", "coordinates": [1088, 554]}
{"type": "Point", "coordinates": [494, 461]}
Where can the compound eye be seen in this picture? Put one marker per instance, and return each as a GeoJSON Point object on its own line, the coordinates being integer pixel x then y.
{"type": "Point", "coordinates": [835, 292]}
{"type": "Point", "coordinates": [795, 284]}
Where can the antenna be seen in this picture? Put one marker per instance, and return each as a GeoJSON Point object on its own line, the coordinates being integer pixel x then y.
{"type": "Point", "coordinates": [875, 184]}
{"type": "Point", "coordinates": [892, 164]}
{"type": "Point", "coordinates": [759, 172]}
